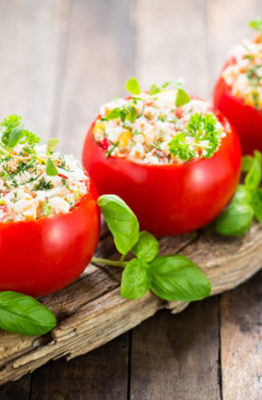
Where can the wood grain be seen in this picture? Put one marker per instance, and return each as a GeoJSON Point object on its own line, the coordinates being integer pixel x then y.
{"type": "Point", "coordinates": [177, 358]}
{"type": "Point", "coordinates": [102, 374]}
{"type": "Point", "coordinates": [241, 342]}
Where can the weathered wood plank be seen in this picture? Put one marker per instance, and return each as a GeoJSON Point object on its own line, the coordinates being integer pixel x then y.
{"type": "Point", "coordinates": [16, 390]}
{"type": "Point", "coordinates": [108, 315]}
{"type": "Point", "coordinates": [177, 358]}
{"type": "Point", "coordinates": [241, 342]}
{"type": "Point", "coordinates": [100, 57]}
{"type": "Point", "coordinates": [101, 374]}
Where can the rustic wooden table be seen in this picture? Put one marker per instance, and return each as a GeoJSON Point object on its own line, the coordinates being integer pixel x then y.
{"type": "Point", "coordinates": [60, 59]}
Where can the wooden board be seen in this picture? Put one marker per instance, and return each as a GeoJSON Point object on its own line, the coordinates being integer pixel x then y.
{"type": "Point", "coordinates": [91, 311]}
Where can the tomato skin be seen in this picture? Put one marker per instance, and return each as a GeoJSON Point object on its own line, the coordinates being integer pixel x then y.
{"type": "Point", "coordinates": [41, 256]}
{"type": "Point", "coordinates": [246, 120]}
{"type": "Point", "coordinates": [168, 199]}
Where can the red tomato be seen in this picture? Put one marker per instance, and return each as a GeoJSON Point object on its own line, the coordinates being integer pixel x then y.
{"type": "Point", "coordinates": [42, 256]}
{"type": "Point", "coordinates": [169, 199]}
{"type": "Point", "coordinates": [246, 120]}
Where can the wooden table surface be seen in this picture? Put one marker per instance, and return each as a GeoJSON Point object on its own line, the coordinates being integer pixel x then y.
{"type": "Point", "coordinates": [59, 61]}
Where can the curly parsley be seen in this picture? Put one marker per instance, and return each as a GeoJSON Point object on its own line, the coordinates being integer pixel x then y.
{"type": "Point", "coordinates": [201, 135]}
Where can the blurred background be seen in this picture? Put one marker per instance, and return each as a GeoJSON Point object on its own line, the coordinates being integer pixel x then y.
{"type": "Point", "coordinates": [59, 61]}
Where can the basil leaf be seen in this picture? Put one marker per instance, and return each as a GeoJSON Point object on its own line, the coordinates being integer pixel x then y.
{"type": "Point", "coordinates": [15, 136]}
{"type": "Point", "coordinates": [51, 169]}
{"type": "Point", "coordinates": [176, 277]}
{"type": "Point", "coordinates": [182, 97]}
{"type": "Point", "coordinates": [247, 162]}
{"type": "Point", "coordinates": [135, 280]}
{"type": "Point", "coordinates": [235, 220]}
{"type": "Point", "coordinates": [52, 144]}
{"type": "Point", "coordinates": [121, 221]}
{"type": "Point", "coordinates": [256, 24]}
{"type": "Point", "coordinates": [257, 203]}
{"type": "Point", "coordinates": [132, 86]}
{"type": "Point", "coordinates": [154, 89]}
{"type": "Point", "coordinates": [113, 114]}
{"type": "Point", "coordinates": [243, 195]}
{"type": "Point", "coordinates": [253, 177]}
{"type": "Point", "coordinates": [24, 315]}
{"type": "Point", "coordinates": [147, 247]}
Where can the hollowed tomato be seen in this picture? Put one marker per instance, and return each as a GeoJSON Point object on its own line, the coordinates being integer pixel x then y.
{"type": "Point", "coordinates": [42, 256]}
{"type": "Point", "coordinates": [246, 119]}
{"type": "Point", "coordinates": [174, 198]}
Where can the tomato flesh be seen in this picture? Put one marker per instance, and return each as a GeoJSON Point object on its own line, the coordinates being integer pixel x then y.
{"type": "Point", "coordinates": [39, 257]}
{"type": "Point", "coordinates": [168, 199]}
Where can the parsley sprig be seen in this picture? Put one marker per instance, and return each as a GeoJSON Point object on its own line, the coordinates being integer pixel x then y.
{"type": "Point", "coordinates": [12, 132]}
{"type": "Point", "coordinates": [202, 134]}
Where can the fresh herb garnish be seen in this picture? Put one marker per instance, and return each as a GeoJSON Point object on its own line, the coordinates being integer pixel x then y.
{"type": "Point", "coordinates": [132, 86]}
{"type": "Point", "coordinates": [236, 219]}
{"type": "Point", "coordinates": [172, 277]}
{"type": "Point", "coordinates": [51, 169]}
{"type": "Point", "coordinates": [12, 132]}
{"type": "Point", "coordinates": [43, 185]}
{"type": "Point", "coordinates": [182, 97]}
{"type": "Point", "coordinates": [256, 24]}
{"type": "Point", "coordinates": [24, 315]}
{"type": "Point", "coordinates": [52, 144]}
{"type": "Point", "coordinates": [204, 131]}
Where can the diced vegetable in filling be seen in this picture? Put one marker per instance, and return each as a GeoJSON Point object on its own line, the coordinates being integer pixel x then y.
{"type": "Point", "coordinates": [35, 181]}
{"type": "Point", "coordinates": [161, 126]}
{"type": "Point", "coordinates": [244, 72]}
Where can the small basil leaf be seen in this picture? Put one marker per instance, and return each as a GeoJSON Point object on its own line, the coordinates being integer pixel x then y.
{"type": "Point", "coordinates": [154, 89]}
{"type": "Point", "coordinates": [113, 114]}
{"type": "Point", "coordinates": [135, 280]}
{"type": "Point", "coordinates": [235, 220]}
{"type": "Point", "coordinates": [15, 136]}
{"type": "Point", "coordinates": [176, 277]}
{"type": "Point", "coordinates": [121, 221]}
{"type": "Point", "coordinates": [182, 97]}
{"type": "Point", "coordinates": [52, 144]}
{"type": "Point", "coordinates": [253, 177]}
{"type": "Point", "coordinates": [132, 86]}
{"type": "Point", "coordinates": [147, 247]}
{"type": "Point", "coordinates": [256, 24]}
{"type": "Point", "coordinates": [24, 315]}
{"type": "Point", "coordinates": [257, 203]}
{"type": "Point", "coordinates": [243, 195]}
{"type": "Point", "coordinates": [247, 162]}
{"type": "Point", "coordinates": [51, 169]}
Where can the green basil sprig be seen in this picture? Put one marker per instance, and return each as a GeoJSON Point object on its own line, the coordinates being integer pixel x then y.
{"type": "Point", "coordinates": [121, 222]}
{"type": "Point", "coordinates": [24, 315]}
{"type": "Point", "coordinates": [246, 204]}
{"type": "Point", "coordinates": [173, 277]}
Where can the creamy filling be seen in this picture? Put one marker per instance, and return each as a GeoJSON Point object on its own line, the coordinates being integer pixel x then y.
{"type": "Point", "coordinates": [151, 129]}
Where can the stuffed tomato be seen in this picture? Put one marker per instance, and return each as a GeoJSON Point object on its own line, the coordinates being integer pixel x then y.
{"type": "Point", "coordinates": [49, 220]}
{"type": "Point", "coordinates": [238, 93]}
{"type": "Point", "coordinates": [176, 165]}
